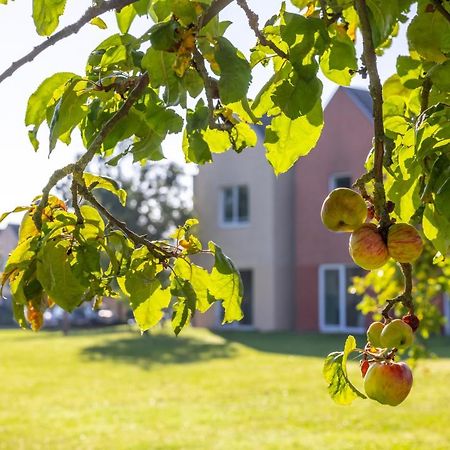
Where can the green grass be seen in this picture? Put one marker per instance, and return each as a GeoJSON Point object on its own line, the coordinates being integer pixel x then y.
{"type": "Point", "coordinates": [114, 389]}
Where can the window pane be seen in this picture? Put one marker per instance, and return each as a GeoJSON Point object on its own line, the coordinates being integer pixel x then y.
{"type": "Point", "coordinates": [354, 316]}
{"type": "Point", "coordinates": [247, 303]}
{"type": "Point", "coordinates": [227, 204]}
{"type": "Point", "coordinates": [242, 204]}
{"type": "Point", "coordinates": [342, 182]}
{"type": "Point", "coordinates": [332, 297]}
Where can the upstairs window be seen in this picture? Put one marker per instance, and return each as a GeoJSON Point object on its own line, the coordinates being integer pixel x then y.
{"type": "Point", "coordinates": [340, 180]}
{"type": "Point", "coordinates": [234, 205]}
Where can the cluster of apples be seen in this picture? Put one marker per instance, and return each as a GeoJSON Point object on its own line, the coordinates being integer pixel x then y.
{"type": "Point", "coordinates": [386, 381]}
{"type": "Point", "coordinates": [344, 210]}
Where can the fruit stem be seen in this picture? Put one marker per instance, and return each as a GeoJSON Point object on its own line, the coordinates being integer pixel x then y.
{"type": "Point", "coordinates": [376, 91]}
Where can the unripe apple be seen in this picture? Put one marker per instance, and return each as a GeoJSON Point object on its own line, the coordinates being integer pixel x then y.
{"type": "Point", "coordinates": [343, 210]}
{"type": "Point", "coordinates": [388, 383]}
{"type": "Point", "coordinates": [374, 333]}
{"type": "Point", "coordinates": [404, 242]}
{"type": "Point", "coordinates": [396, 334]}
{"type": "Point", "coordinates": [367, 247]}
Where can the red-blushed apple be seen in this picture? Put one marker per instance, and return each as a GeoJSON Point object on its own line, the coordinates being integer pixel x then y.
{"type": "Point", "coordinates": [412, 320]}
{"type": "Point", "coordinates": [374, 333]}
{"type": "Point", "coordinates": [404, 242]}
{"type": "Point", "coordinates": [343, 210]}
{"type": "Point", "coordinates": [388, 383]}
{"type": "Point", "coordinates": [396, 334]}
{"type": "Point", "coordinates": [367, 247]}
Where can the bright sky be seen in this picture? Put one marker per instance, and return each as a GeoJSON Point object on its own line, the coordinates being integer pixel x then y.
{"type": "Point", "coordinates": [23, 172]}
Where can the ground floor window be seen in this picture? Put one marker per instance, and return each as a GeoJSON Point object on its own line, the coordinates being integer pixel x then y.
{"type": "Point", "coordinates": [337, 306]}
{"type": "Point", "coordinates": [247, 302]}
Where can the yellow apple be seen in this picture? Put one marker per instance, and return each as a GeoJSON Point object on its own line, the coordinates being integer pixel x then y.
{"type": "Point", "coordinates": [343, 210]}
{"type": "Point", "coordinates": [374, 333]}
{"type": "Point", "coordinates": [396, 334]}
{"type": "Point", "coordinates": [404, 242]}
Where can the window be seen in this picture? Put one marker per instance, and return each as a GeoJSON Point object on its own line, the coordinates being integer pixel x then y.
{"type": "Point", "coordinates": [247, 303]}
{"type": "Point", "coordinates": [337, 306]}
{"type": "Point", "coordinates": [234, 205]}
{"type": "Point", "coordinates": [340, 180]}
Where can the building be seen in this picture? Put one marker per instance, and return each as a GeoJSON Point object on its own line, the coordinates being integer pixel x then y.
{"type": "Point", "coordinates": [295, 272]}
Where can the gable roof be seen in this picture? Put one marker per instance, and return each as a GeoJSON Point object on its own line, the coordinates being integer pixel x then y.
{"type": "Point", "coordinates": [362, 99]}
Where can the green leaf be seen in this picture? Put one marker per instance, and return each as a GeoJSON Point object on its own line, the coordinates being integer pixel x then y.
{"type": "Point", "coordinates": [242, 135]}
{"type": "Point", "coordinates": [125, 18]}
{"type": "Point", "coordinates": [93, 225]}
{"type": "Point", "coordinates": [56, 274]}
{"type": "Point", "coordinates": [199, 279]}
{"type": "Point", "coordinates": [338, 62]}
{"type": "Point", "coordinates": [440, 76]}
{"type": "Point", "coordinates": [15, 210]}
{"type": "Point", "coordinates": [437, 229]}
{"type": "Point", "coordinates": [98, 22]}
{"type": "Point", "coordinates": [164, 36]}
{"type": "Point", "coordinates": [340, 388]}
{"type": "Point", "coordinates": [296, 96]}
{"type": "Point", "coordinates": [48, 91]}
{"type": "Point", "coordinates": [68, 113]}
{"type": "Point", "coordinates": [46, 15]}
{"type": "Point", "coordinates": [22, 255]}
{"type": "Point", "coordinates": [147, 298]}
{"type": "Point", "coordinates": [235, 71]}
{"type": "Point", "coordinates": [100, 182]}
{"type": "Point", "coordinates": [428, 35]}
{"type": "Point", "coordinates": [226, 284]}
{"type": "Point", "coordinates": [287, 140]}
{"type": "Point", "coordinates": [196, 149]}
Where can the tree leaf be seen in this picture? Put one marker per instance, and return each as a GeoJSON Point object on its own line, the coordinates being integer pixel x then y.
{"type": "Point", "coordinates": [125, 18]}
{"type": "Point", "coordinates": [235, 71]}
{"type": "Point", "coordinates": [226, 284]}
{"type": "Point", "coordinates": [15, 210]}
{"type": "Point", "coordinates": [287, 140]}
{"type": "Point", "coordinates": [56, 275]}
{"type": "Point", "coordinates": [98, 22]}
{"type": "Point", "coordinates": [100, 182]}
{"type": "Point", "coordinates": [46, 15]}
{"type": "Point", "coordinates": [340, 388]}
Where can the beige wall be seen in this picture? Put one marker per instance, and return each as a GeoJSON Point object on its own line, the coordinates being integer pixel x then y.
{"type": "Point", "coordinates": [265, 244]}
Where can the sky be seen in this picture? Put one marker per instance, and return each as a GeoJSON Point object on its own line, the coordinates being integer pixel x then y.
{"type": "Point", "coordinates": [23, 172]}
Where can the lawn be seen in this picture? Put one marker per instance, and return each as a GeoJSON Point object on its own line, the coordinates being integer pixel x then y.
{"type": "Point", "coordinates": [114, 389]}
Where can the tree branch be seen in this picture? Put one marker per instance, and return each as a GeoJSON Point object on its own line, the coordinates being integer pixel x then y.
{"type": "Point", "coordinates": [90, 14]}
{"type": "Point", "coordinates": [138, 240]}
{"type": "Point", "coordinates": [254, 25]}
{"type": "Point", "coordinates": [376, 92]}
{"type": "Point", "coordinates": [214, 9]}
{"type": "Point", "coordinates": [440, 7]}
{"type": "Point", "coordinates": [425, 94]}
{"type": "Point", "coordinates": [80, 165]}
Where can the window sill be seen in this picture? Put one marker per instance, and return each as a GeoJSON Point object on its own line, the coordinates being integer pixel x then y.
{"type": "Point", "coordinates": [234, 225]}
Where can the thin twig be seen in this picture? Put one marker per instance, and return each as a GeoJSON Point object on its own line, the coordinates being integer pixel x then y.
{"type": "Point", "coordinates": [76, 206]}
{"type": "Point", "coordinates": [440, 7]}
{"type": "Point", "coordinates": [90, 13]}
{"type": "Point", "coordinates": [254, 25]}
{"type": "Point", "coordinates": [138, 240]}
{"type": "Point", "coordinates": [80, 165]}
{"type": "Point", "coordinates": [214, 9]}
{"type": "Point", "coordinates": [376, 92]}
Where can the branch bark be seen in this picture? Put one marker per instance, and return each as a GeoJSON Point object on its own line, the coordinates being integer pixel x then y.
{"type": "Point", "coordinates": [376, 92]}
{"type": "Point", "coordinates": [90, 14]}
{"type": "Point", "coordinates": [254, 25]}
{"type": "Point", "coordinates": [214, 9]}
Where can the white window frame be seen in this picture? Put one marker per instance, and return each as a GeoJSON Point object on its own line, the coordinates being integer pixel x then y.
{"type": "Point", "coordinates": [323, 326]}
{"type": "Point", "coordinates": [234, 223]}
{"type": "Point", "coordinates": [334, 176]}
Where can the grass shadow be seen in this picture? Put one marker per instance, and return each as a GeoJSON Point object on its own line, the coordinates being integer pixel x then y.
{"type": "Point", "coordinates": [153, 349]}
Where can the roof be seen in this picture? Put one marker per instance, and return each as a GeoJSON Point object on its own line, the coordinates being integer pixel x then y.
{"type": "Point", "coordinates": [362, 99]}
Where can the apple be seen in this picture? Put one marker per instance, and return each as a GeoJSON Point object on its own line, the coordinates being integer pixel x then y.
{"type": "Point", "coordinates": [388, 383]}
{"type": "Point", "coordinates": [374, 333]}
{"type": "Point", "coordinates": [343, 210]}
{"type": "Point", "coordinates": [367, 247]}
{"type": "Point", "coordinates": [412, 320]}
{"type": "Point", "coordinates": [404, 242]}
{"type": "Point", "coordinates": [396, 334]}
